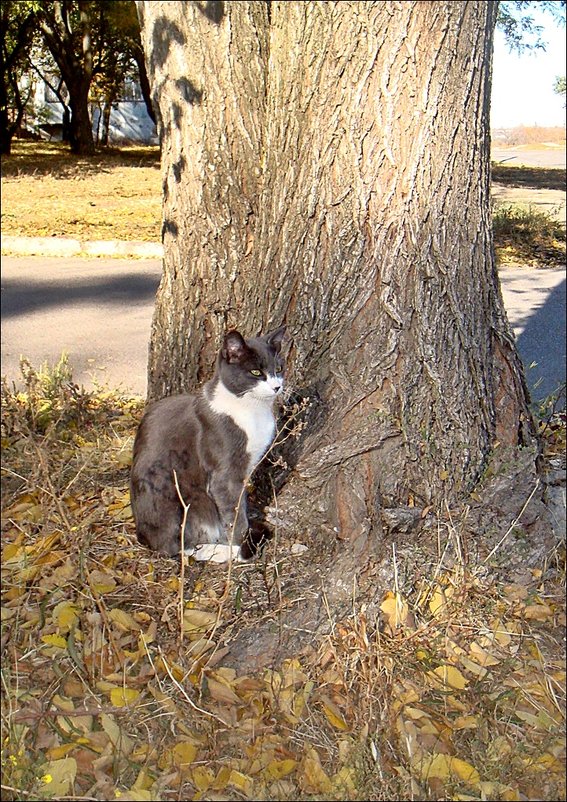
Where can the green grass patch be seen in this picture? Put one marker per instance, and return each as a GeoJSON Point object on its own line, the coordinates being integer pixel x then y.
{"type": "Point", "coordinates": [527, 235]}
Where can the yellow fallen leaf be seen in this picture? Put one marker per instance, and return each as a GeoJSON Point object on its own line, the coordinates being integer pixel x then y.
{"type": "Point", "coordinates": [448, 676]}
{"type": "Point", "coordinates": [58, 777]}
{"type": "Point", "coordinates": [276, 769]}
{"type": "Point", "coordinates": [414, 713]}
{"type": "Point", "coordinates": [55, 640]}
{"type": "Point", "coordinates": [184, 753]}
{"type": "Point", "coordinates": [542, 720]}
{"type": "Point", "coordinates": [65, 615]}
{"type": "Point", "coordinates": [12, 552]}
{"type": "Point", "coordinates": [222, 778]}
{"type": "Point", "coordinates": [548, 762]}
{"type": "Point", "coordinates": [465, 723]}
{"type": "Point", "coordinates": [241, 782]}
{"type": "Point", "coordinates": [429, 766]}
{"type": "Point", "coordinates": [445, 767]}
{"type": "Point", "coordinates": [499, 748]}
{"type": "Point", "coordinates": [121, 697]}
{"type": "Point", "coordinates": [464, 771]}
{"type": "Point", "coordinates": [476, 669]}
{"type": "Point", "coordinates": [198, 621]}
{"type": "Point", "coordinates": [437, 602]}
{"type": "Point", "coordinates": [344, 782]}
{"type": "Point", "coordinates": [202, 778]}
{"type": "Point", "coordinates": [311, 775]}
{"type": "Point", "coordinates": [395, 610]}
{"type": "Point", "coordinates": [481, 656]}
{"type": "Point", "coordinates": [334, 715]}
{"type": "Point", "coordinates": [123, 620]}
{"type": "Point", "coordinates": [57, 752]}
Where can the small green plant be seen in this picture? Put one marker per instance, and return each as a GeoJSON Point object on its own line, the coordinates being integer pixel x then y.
{"type": "Point", "coordinates": [49, 398]}
{"type": "Point", "coordinates": [527, 235]}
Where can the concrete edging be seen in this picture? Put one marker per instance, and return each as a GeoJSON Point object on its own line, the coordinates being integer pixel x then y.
{"type": "Point", "coordinates": [60, 246]}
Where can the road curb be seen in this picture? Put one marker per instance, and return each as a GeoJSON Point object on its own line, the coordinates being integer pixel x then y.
{"type": "Point", "coordinates": [61, 246]}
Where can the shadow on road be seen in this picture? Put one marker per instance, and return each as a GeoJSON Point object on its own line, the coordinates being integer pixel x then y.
{"type": "Point", "coordinates": [20, 297]}
{"type": "Point", "coordinates": [542, 344]}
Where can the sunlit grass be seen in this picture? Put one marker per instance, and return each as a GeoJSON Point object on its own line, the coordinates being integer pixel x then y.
{"type": "Point", "coordinates": [527, 235]}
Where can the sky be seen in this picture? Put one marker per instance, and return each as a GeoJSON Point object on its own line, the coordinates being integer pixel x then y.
{"type": "Point", "coordinates": [522, 85]}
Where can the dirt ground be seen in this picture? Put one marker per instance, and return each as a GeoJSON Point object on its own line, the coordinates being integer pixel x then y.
{"type": "Point", "coordinates": [115, 195]}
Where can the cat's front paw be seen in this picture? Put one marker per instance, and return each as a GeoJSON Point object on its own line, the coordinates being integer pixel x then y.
{"type": "Point", "coordinates": [215, 553]}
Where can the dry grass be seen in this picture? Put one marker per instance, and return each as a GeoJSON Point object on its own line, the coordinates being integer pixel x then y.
{"type": "Point", "coordinates": [446, 683]}
{"type": "Point", "coordinates": [116, 194]}
{"type": "Point", "coordinates": [48, 192]}
{"type": "Point", "coordinates": [534, 134]}
{"type": "Point", "coordinates": [527, 236]}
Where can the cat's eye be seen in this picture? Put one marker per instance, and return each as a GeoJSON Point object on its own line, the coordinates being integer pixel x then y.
{"type": "Point", "coordinates": [256, 372]}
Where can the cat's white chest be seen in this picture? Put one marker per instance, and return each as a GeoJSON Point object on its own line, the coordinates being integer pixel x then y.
{"type": "Point", "coordinates": [255, 417]}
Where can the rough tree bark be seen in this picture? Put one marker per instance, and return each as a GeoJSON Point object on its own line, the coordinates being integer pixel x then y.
{"type": "Point", "coordinates": [327, 165]}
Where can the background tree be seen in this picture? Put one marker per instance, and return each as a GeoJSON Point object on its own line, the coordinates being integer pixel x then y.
{"type": "Point", "coordinates": [18, 25]}
{"type": "Point", "coordinates": [95, 46]}
{"type": "Point", "coordinates": [68, 32]}
{"type": "Point", "coordinates": [520, 29]}
{"type": "Point", "coordinates": [327, 165]}
{"type": "Point", "coordinates": [560, 85]}
{"type": "Point", "coordinates": [121, 57]}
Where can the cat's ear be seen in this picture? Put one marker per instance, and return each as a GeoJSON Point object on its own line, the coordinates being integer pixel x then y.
{"type": "Point", "coordinates": [234, 348]}
{"type": "Point", "coordinates": [274, 338]}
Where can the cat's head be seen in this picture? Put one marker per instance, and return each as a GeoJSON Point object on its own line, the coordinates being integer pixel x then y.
{"type": "Point", "coordinates": [252, 366]}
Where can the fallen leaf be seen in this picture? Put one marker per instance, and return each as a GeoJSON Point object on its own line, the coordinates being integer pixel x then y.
{"type": "Point", "coordinates": [276, 769]}
{"type": "Point", "coordinates": [121, 742]}
{"type": "Point", "coordinates": [395, 610]}
{"type": "Point", "coordinates": [448, 677]}
{"type": "Point", "coordinates": [312, 777]}
{"type": "Point", "coordinates": [538, 612]}
{"type": "Point", "coordinates": [123, 620]}
{"type": "Point", "coordinates": [184, 754]}
{"type": "Point", "coordinates": [222, 693]}
{"type": "Point", "coordinates": [481, 656]}
{"type": "Point", "coordinates": [102, 582]}
{"type": "Point", "coordinates": [334, 715]}
{"type": "Point", "coordinates": [65, 615]}
{"type": "Point", "coordinates": [57, 777]}
{"type": "Point", "coordinates": [122, 697]}
{"type": "Point", "coordinates": [241, 782]}
{"type": "Point", "coordinates": [55, 640]}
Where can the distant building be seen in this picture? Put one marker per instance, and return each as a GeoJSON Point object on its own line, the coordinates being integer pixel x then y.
{"type": "Point", "coordinates": [129, 119]}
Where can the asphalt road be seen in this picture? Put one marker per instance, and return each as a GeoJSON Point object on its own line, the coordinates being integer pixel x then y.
{"type": "Point", "coordinates": [99, 311]}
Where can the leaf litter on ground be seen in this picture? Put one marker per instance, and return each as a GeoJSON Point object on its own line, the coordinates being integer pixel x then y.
{"type": "Point", "coordinates": [451, 687]}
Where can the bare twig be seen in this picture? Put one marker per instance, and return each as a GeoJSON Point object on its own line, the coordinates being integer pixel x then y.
{"type": "Point", "coordinates": [513, 524]}
{"type": "Point", "coordinates": [181, 555]}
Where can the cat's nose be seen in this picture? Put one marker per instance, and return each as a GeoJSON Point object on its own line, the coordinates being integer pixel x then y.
{"type": "Point", "coordinates": [276, 388]}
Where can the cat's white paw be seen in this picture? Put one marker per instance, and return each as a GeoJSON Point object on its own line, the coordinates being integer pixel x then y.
{"type": "Point", "coordinates": [215, 553]}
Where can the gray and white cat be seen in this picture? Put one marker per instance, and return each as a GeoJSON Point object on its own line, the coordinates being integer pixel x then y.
{"type": "Point", "coordinates": [213, 441]}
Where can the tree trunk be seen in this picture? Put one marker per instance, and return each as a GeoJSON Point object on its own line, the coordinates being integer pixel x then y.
{"type": "Point", "coordinates": [138, 55]}
{"type": "Point", "coordinates": [327, 165]}
{"type": "Point", "coordinates": [81, 129]}
{"type": "Point", "coordinates": [75, 66]}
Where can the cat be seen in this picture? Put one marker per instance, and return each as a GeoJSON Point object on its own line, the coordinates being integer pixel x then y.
{"type": "Point", "coordinates": [213, 440]}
